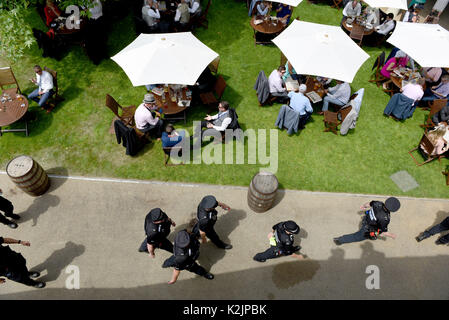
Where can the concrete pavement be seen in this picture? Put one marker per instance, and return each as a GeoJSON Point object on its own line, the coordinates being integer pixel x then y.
{"type": "Point", "coordinates": [98, 226]}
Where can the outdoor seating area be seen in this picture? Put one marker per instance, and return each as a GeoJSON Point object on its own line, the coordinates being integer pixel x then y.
{"type": "Point", "coordinates": [160, 71]}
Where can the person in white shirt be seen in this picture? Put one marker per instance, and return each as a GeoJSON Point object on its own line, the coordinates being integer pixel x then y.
{"type": "Point", "coordinates": [44, 81]}
{"type": "Point", "coordinates": [352, 9]}
{"type": "Point", "coordinates": [182, 15]}
{"type": "Point", "coordinates": [387, 26]}
{"type": "Point", "coordinates": [151, 15]}
{"type": "Point", "coordinates": [338, 95]}
{"type": "Point", "coordinates": [194, 7]}
{"type": "Point", "coordinates": [220, 121]}
{"type": "Point", "coordinates": [372, 16]}
{"type": "Point", "coordinates": [263, 8]}
{"type": "Point", "coordinates": [277, 86]}
{"type": "Point", "coordinates": [144, 118]}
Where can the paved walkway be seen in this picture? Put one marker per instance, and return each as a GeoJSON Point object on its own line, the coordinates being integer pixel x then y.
{"type": "Point", "coordinates": [98, 226]}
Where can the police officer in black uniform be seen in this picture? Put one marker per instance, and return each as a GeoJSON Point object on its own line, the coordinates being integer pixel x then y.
{"type": "Point", "coordinates": [281, 240]}
{"type": "Point", "coordinates": [7, 207]}
{"type": "Point", "coordinates": [13, 265]}
{"type": "Point", "coordinates": [157, 227]}
{"type": "Point", "coordinates": [443, 226]}
{"type": "Point", "coordinates": [375, 221]}
{"type": "Point", "coordinates": [185, 252]}
{"type": "Point", "coordinates": [207, 217]}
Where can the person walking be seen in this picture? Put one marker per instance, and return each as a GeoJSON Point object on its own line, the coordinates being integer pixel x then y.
{"type": "Point", "coordinates": [7, 207]}
{"type": "Point", "coordinates": [441, 227]}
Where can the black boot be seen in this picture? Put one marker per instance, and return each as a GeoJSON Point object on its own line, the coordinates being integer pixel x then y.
{"type": "Point", "coordinates": [422, 236]}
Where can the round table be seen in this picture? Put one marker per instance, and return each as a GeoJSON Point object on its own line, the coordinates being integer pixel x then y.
{"type": "Point", "coordinates": [12, 111]}
{"type": "Point", "coordinates": [267, 27]}
{"type": "Point", "coordinates": [366, 32]}
{"type": "Point", "coordinates": [171, 107]}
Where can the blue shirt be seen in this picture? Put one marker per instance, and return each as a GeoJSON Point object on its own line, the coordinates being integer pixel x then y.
{"type": "Point", "coordinates": [300, 103]}
{"type": "Point", "coordinates": [168, 142]}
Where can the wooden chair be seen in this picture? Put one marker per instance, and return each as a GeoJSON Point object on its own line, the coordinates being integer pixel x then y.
{"type": "Point", "coordinates": [283, 60]}
{"type": "Point", "coordinates": [357, 32]}
{"type": "Point", "coordinates": [167, 151]}
{"type": "Point", "coordinates": [127, 113]}
{"type": "Point", "coordinates": [332, 119]}
{"type": "Point", "coordinates": [427, 148]}
{"type": "Point", "coordinates": [435, 107]}
{"type": "Point", "coordinates": [202, 21]}
{"type": "Point", "coordinates": [378, 65]}
{"type": "Point", "coordinates": [209, 98]}
{"type": "Point", "coordinates": [7, 78]}
{"type": "Point", "coordinates": [213, 66]}
{"type": "Point", "coordinates": [55, 98]}
{"type": "Point", "coordinates": [336, 3]}
{"type": "Point", "coordinates": [446, 174]}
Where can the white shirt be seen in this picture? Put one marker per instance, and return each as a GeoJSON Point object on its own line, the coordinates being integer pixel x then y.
{"type": "Point", "coordinates": [349, 11]}
{"type": "Point", "coordinates": [149, 14]}
{"type": "Point", "coordinates": [193, 6]}
{"type": "Point", "coordinates": [225, 123]}
{"type": "Point", "coordinates": [45, 81]}
{"type": "Point", "coordinates": [385, 27]}
{"type": "Point", "coordinates": [340, 92]}
{"type": "Point", "coordinates": [275, 82]}
{"type": "Point", "coordinates": [97, 10]}
{"type": "Point", "coordinates": [143, 116]}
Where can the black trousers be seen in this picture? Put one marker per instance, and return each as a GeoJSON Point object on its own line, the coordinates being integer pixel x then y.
{"type": "Point", "coordinates": [157, 129]}
{"type": "Point", "coordinates": [271, 253]}
{"type": "Point", "coordinates": [7, 207]}
{"type": "Point", "coordinates": [194, 268]}
{"type": "Point", "coordinates": [213, 236]}
{"type": "Point", "coordinates": [164, 244]}
{"type": "Point", "coordinates": [441, 227]}
{"type": "Point", "coordinates": [19, 272]}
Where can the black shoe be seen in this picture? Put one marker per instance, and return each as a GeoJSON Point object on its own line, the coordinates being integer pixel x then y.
{"type": "Point", "coordinates": [227, 246]}
{"type": "Point", "coordinates": [146, 250]}
{"type": "Point", "coordinates": [439, 241]}
{"type": "Point", "coordinates": [12, 225]}
{"type": "Point", "coordinates": [14, 216]}
{"type": "Point", "coordinates": [39, 285]}
{"type": "Point", "coordinates": [337, 242]}
{"type": "Point", "coordinates": [296, 248]}
{"type": "Point", "coordinates": [209, 276]}
{"type": "Point", "coordinates": [34, 274]}
{"type": "Point", "coordinates": [259, 260]}
{"type": "Point", "coordinates": [421, 237]}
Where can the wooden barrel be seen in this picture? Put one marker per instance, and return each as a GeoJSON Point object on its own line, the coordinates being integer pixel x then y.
{"type": "Point", "coordinates": [28, 175]}
{"type": "Point", "coordinates": [262, 191]}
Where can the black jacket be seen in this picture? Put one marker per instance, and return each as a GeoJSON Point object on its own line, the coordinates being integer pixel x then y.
{"type": "Point", "coordinates": [128, 136]}
{"type": "Point", "coordinates": [284, 241]}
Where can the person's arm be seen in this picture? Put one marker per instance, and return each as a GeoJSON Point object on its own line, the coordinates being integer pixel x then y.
{"type": "Point", "coordinates": [172, 222]}
{"type": "Point", "coordinates": [391, 66]}
{"type": "Point", "coordinates": [388, 234]}
{"type": "Point", "coordinates": [14, 241]}
{"type": "Point", "coordinates": [177, 15]}
{"type": "Point", "coordinates": [309, 106]}
{"type": "Point", "coordinates": [150, 248]}
{"type": "Point", "coordinates": [203, 236]}
{"type": "Point", "coordinates": [224, 206]}
{"type": "Point", "coordinates": [298, 256]}
{"type": "Point", "coordinates": [195, 6]}
{"type": "Point", "coordinates": [154, 13]}
{"type": "Point", "coordinates": [223, 125]}
{"type": "Point", "coordinates": [174, 276]}
{"type": "Point", "coordinates": [366, 206]}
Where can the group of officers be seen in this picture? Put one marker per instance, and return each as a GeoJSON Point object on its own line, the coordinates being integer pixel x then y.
{"type": "Point", "coordinates": [186, 248]}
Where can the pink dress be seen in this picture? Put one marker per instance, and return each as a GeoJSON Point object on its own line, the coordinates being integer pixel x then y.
{"type": "Point", "coordinates": [401, 62]}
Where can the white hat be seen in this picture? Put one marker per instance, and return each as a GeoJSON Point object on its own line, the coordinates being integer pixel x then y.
{"type": "Point", "coordinates": [302, 88]}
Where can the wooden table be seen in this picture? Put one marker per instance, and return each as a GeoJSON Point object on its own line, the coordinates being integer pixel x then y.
{"type": "Point", "coordinates": [366, 32]}
{"type": "Point", "coordinates": [267, 27]}
{"type": "Point", "coordinates": [12, 111]}
{"type": "Point", "coordinates": [313, 84]}
{"type": "Point", "coordinates": [171, 107]}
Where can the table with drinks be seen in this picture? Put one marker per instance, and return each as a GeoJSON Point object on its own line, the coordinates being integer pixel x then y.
{"type": "Point", "coordinates": [402, 76]}
{"type": "Point", "coordinates": [349, 23]}
{"type": "Point", "coordinates": [266, 28]}
{"type": "Point", "coordinates": [173, 99]}
{"type": "Point", "coordinates": [12, 108]}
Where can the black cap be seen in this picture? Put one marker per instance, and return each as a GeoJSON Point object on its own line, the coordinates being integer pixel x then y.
{"type": "Point", "coordinates": [291, 226]}
{"type": "Point", "coordinates": [392, 204]}
{"type": "Point", "coordinates": [182, 239]}
{"type": "Point", "coordinates": [156, 214]}
{"type": "Point", "coordinates": [209, 202]}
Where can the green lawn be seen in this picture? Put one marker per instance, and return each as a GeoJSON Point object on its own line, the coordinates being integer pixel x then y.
{"type": "Point", "coordinates": [74, 138]}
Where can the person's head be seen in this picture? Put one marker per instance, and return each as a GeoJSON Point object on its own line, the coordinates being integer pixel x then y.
{"type": "Point", "coordinates": [281, 70]}
{"type": "Point", "coordinates": [445, 78]}
{"type": "Point", "coordinates": [411, 9]}
{"type": "Point", "coordinates": [421, 82]}
{"type": "Point", "coordinates": [354, 3]}
{"type": "Point", "coordinates": [209, 203]}
{"type": "Point", "coordinates": [169, 128]}
{"type": "Point", "coordinates": [149, 100]}
{"type": "Point", "coordinates": [390, 16]}
{"type": "Point", "coordinates": [38, 69]}
{"type": "Point", "coordinates": [392, 204]}
{"type": "Point", "coordinates": [302, 88]}
{"type": "Point", "coordinates": [223, 106]}
{"type": "Point", "coordinates": [290, 227]}
{"type": "Point", "coordinates": [157, 216]}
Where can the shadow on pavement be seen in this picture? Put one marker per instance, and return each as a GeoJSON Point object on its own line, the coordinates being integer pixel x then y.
{"type": "Point", "coordinates": [39, 206]}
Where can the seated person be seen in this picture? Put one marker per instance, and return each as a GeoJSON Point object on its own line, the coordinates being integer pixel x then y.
{"type": "Point", "coordinates": [410, 16]}
{"type": "Point", "coordinates": [301, 104]}
{"type": "Point", "coordinates": [440, 91]}
{"type": "Point", "coordinates": [252, 6]}
{"type": "Point", "coordinates": [182, 16]}
{"type": "Point", "coordinates": [432, 75]}
{"type": "Point", "coordinates": [44, 81]}
{"type": "Point", "coordinates": [151, 15]}
{"type": "Point", "coordinates": [352, 9]}
{"type": "Point", "coordinates": [284, 13]}
{"type": "Point", "coordinates": [263, 9]}
{"type": "Point", "coordinates": [51, 12]}
{"type": "Point", "coordinates": [220, 121]}
{"type": "Point", "coordinates": [338, 95]}
{"type": "Point", "coordinates": [194, 7]}
{"type": "Point", "coordinates": [324, 81]}
{"type": "Point", "coordinates": [439, 138]}
{"type": "Point", "coordinates": [372, 16]}
{"type": "Point", "coordinates": [290, 72]}
{"type": "Point", "coordinates": [277, 86]}
{"type": "Point", "coordinates": [442, 115]}
{"type": "Point", "coordinates": [392, 64]}
{"type": "Point", "coordinates": [402, 105]}
{"type": "Point", "coordinates": [171, 137]}
{"type": "Point", "coordinates": [146, 118]}
{"type": "Point", "coordinates": [206, 81]}
{"type": "Point", "coordinates": [388, 25]}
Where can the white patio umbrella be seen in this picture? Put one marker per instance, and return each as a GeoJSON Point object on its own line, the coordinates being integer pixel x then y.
{"type": "Point", "coordinates": [293, 3]}
{"type": "Point", "coordinates": [321, 50]}
{"type": "Point", "coordinates": [427, 44]}
{"type": "Point", "coordinates": [174, 58]}
{"type": "Point", "coordinates": [398, 4]}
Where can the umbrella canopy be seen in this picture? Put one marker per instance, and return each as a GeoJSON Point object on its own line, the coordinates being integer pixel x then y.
{"type": "Point", "coordinates": [398, 4]}
{"type": "Point", "coordinates": [321, 50]}
{"type": "Point", "coordinates": [174, 58]}
{"type": "Point", "coordinates": [293, 3]}
{"type": "Point", "coordinates": [427, 44]}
